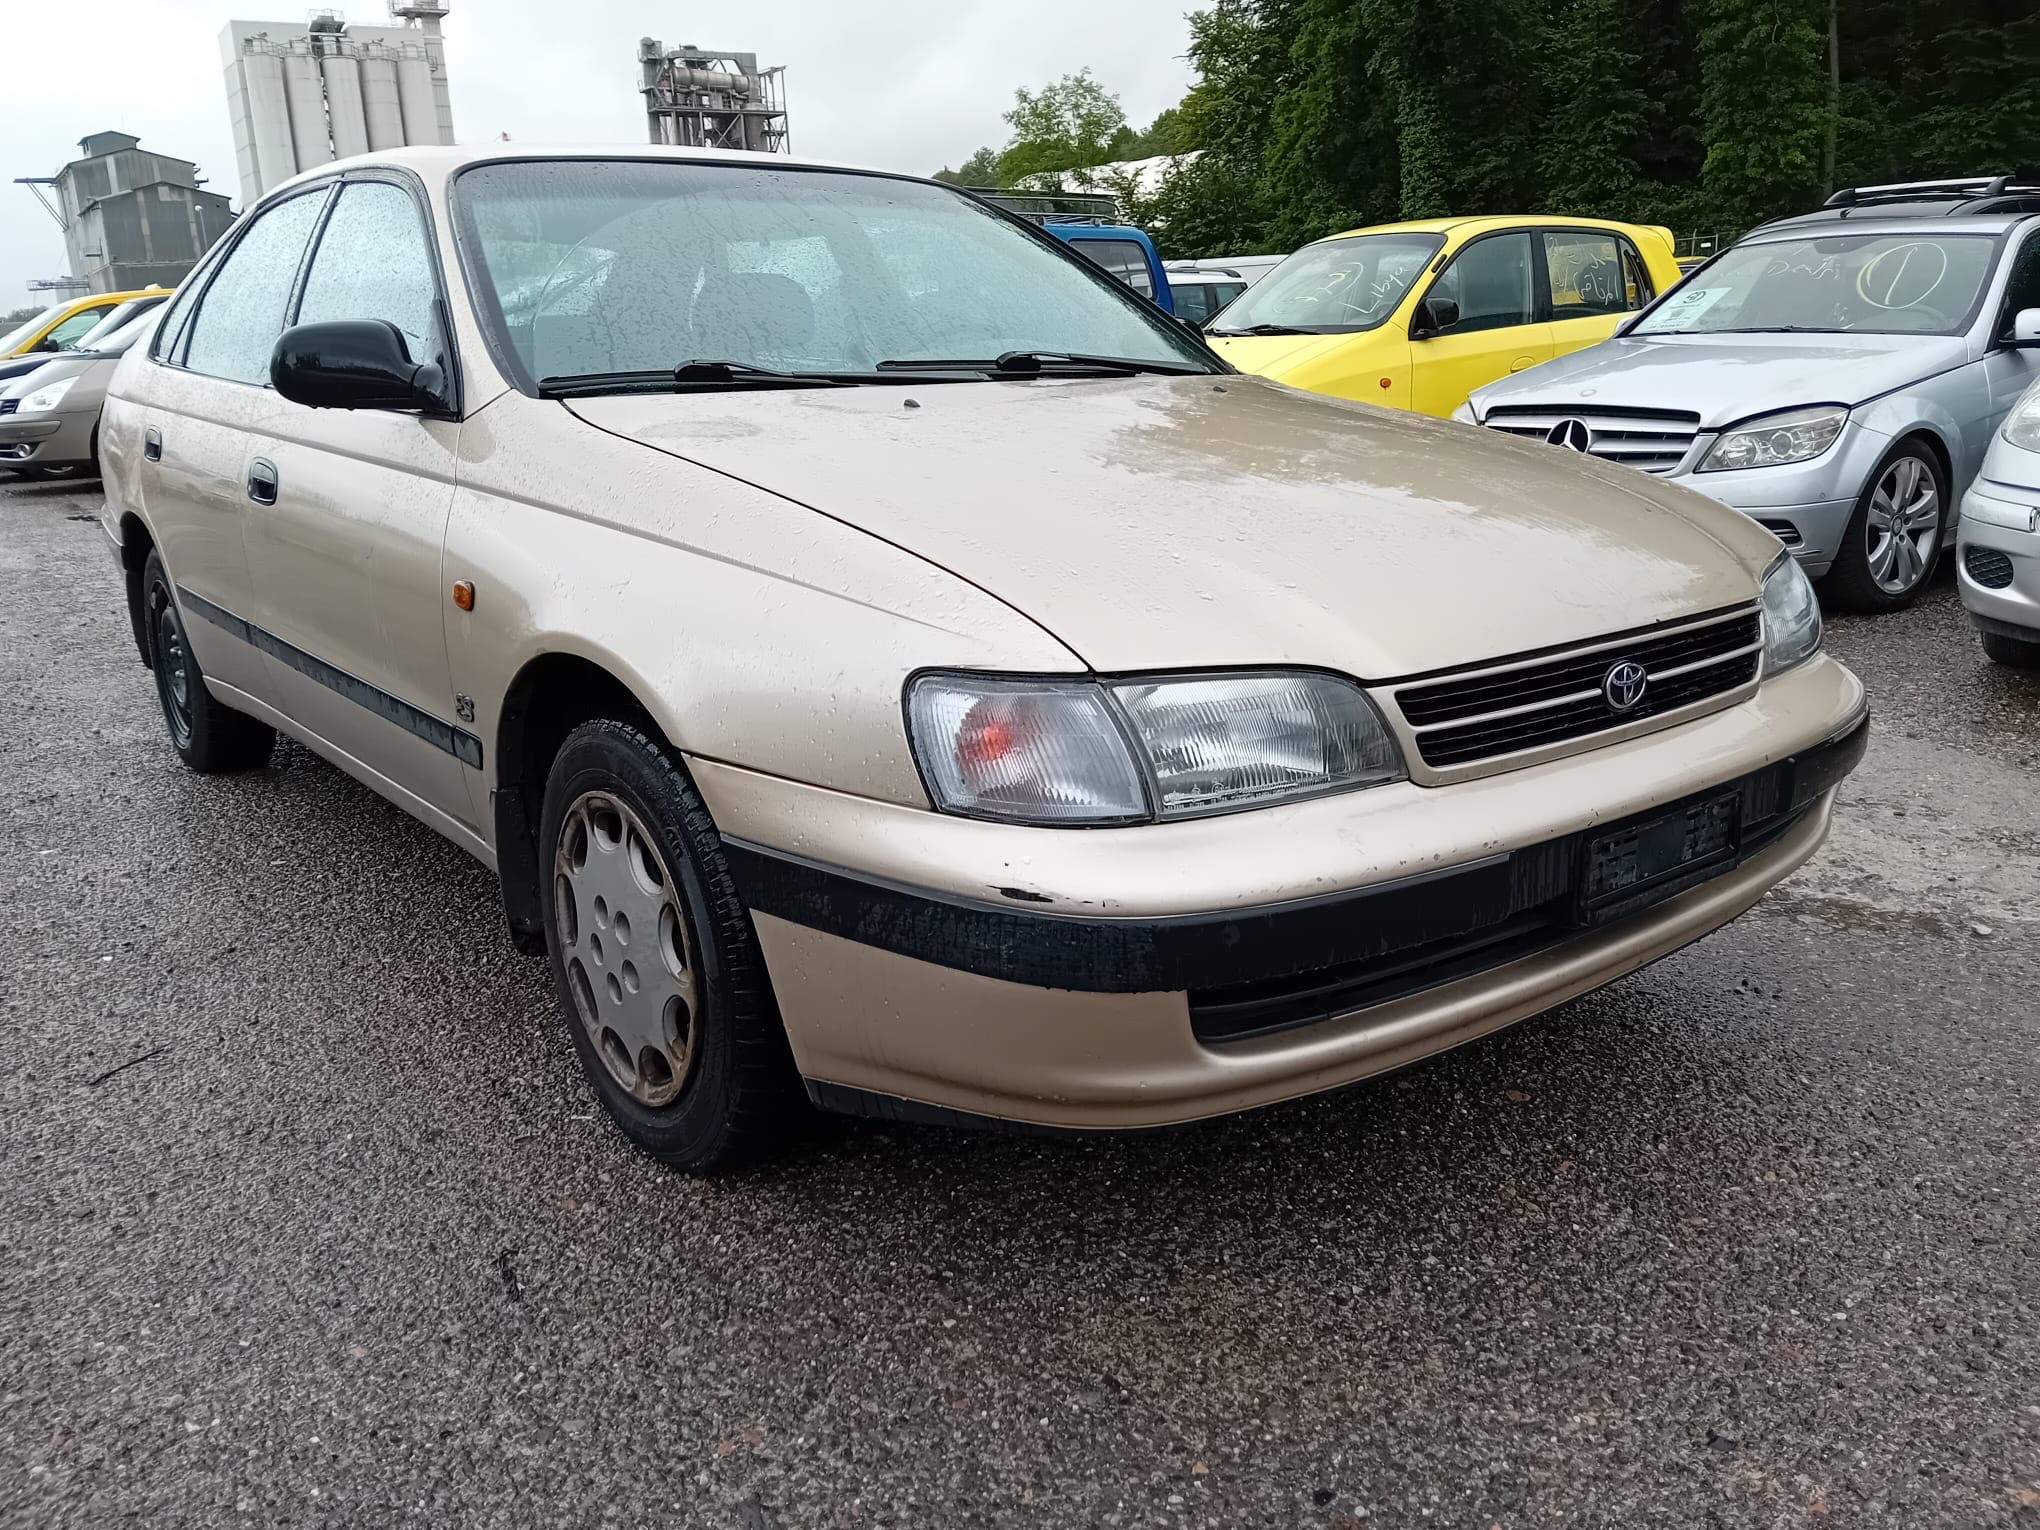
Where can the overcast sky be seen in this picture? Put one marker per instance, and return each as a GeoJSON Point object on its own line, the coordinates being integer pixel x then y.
{"type": "Point", "coordinates": [900, 84]}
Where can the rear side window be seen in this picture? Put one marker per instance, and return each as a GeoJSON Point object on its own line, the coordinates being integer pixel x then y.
{"type": "Point", "coordinates": [244, 306]}
{"type": "Point", "coordinates": [373, 263]}
{"type": "Point", "coordinates": [1490, 281]}
{"type": "Point", "coordinates": [1198, 301]}
{"type": "Point", "coordinates": [1124, 259]}
{"type": "Point", "coordinates": [1585, 269]}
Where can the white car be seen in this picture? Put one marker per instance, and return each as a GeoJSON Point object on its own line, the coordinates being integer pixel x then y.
{"type": "Point", "coordinates": [2000, 540]}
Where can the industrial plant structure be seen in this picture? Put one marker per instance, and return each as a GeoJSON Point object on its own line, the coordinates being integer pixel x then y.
{"type": "Point", "coordinates": [303, 93]}
{"type": "Point", "coordinates": [710, 98]}
{"type": "Point", "coordinates": [131, 217]}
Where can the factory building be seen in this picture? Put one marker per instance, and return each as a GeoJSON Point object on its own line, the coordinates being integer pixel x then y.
{"type": "Point", "coordinates": [710, 98]}
{"type": "Point", "coordinates": [131, 217]}
{"type": "Point", "coordinates": [303, 93]}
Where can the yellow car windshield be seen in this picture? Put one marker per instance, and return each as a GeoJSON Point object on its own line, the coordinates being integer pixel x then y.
{"type": "Point", "coordinates": [1333, 287]}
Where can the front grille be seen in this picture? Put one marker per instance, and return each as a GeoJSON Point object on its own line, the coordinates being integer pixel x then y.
{"type": "Point", "coordinates": [1988, 567]}
{"type": "Point", "coordinates": [9, 405]}
{"type": "Point", "coordinates": [1655, 440]}
{"type": "Point", "coordinates": [1507, 707]}
{"type": "Point", "coordinates": [1784, 531]}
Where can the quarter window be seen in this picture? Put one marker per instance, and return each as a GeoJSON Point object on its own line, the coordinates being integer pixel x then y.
{"type": "Point", "coordinates": [1490, 281]}
{"type": "Point", "coordinates": [1121, 258]}
{"type": "Point", "coordinates": [1585, 269]}
{"type": "Point", "coordinates": [373, 263]}
{"type": "Point", "coordinates": [244, 306]}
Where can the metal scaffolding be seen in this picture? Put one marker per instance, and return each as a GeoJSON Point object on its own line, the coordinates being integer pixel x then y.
{"type": "Point", "coordinates": [710, 98]}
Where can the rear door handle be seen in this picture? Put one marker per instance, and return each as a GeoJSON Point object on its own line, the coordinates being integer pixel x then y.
{"type": "Point", "coordinates": [152, 444]}
{"type": "Point", "coordinates": [262, 481]}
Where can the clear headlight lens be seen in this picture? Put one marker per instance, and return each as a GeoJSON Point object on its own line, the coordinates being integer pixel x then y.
{"type": "Point", "coordinates": [1092, 752]}
{"type": "Point", "coordinates": [2022, 425]}
{"type": "Point", "coordinates": [1791, 616]}
{"type": "Point", "coordinates": [47, 397]}
{"type": "Point", "coordinates": [1464, 413]}
{"type": "Point", "coordinates": [1777, 439]}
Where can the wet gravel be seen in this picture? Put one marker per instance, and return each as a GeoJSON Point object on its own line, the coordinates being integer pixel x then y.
{"type": "Point", "coordinates": [1748, 1240]}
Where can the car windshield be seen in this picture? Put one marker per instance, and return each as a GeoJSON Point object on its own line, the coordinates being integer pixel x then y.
{"type": "Point", "coordinates": [586, 268]}
{"type": "Point", "coordinates": [16, 336]}
{"type": "Point", "coordinates": [1904, 284]}
{"type": "Point", "coordinates": [1333, 287]}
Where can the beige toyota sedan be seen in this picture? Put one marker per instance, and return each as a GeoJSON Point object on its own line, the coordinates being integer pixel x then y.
{"type": "Point", "coordinates": [892, 666]}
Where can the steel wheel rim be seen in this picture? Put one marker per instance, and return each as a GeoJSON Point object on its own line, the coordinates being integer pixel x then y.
{"type": "Point", "coordinates": [1903, 528]}
{"type": "Point", "coordinates": [625, 945]}
{"type": "Point", "coordinates": [173, 673]}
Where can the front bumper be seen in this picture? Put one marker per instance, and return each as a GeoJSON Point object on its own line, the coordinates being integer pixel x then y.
{"type": "Point", "coordinates": [46, 440]}
{"type": "Point", "coordinates": [1806, 505]}
{"type": "Point", "coordinates": [2003, 519]}
{"type": "Point", "coordinates": [1228, 963]}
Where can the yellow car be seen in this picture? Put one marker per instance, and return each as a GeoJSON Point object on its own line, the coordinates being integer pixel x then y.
{"type": "Point", "coordinates": [1418, 315]}
{"type": "Point", "coordinates": [58, 327]}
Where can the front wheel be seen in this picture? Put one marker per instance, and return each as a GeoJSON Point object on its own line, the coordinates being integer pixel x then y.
{"type": "Point", "coordinates": [1894, 537]}
{"type": "Point", "coordinates": [655, 959]}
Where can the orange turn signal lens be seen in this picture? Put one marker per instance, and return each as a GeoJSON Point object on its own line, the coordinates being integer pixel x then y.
{"type": "Point", "coordinates": [464, 594]}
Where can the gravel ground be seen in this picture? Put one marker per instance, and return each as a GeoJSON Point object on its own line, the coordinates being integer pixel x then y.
{"type": "Point", "coordinates": [1748, 1240]}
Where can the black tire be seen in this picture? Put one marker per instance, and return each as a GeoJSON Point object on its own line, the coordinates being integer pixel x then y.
{"type": "Point", "coordinates": [208, 735]}
{"type": "Point", "coordinates": [1851, 584]}
{"type": "Point", "coordinates": [2019, 653]}
{"type": "Point", "coordinates": [739, 1096]}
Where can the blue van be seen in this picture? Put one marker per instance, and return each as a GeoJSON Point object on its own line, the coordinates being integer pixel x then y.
{"type": "Point", "coordinates": [1088, 223]}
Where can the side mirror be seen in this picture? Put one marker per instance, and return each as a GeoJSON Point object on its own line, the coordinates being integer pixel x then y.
{"type": "Point", "coordinates": [45, 347]}
{"type": "Point", "coordinates": [1434, 316]}
{"type": "Point", "coordinates": [354, 364]}
{"type": "Point", "coordinates": [2026, 328]}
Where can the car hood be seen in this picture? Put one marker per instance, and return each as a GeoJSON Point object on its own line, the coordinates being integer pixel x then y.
{"type": "Point", "coordinates": [1175, 522]}
{"type": "Point", "coordinates": [55, 368]}
{"type": "Point", "coordinates": [1729, 377]}
{"type": "Point", "coordinates": [1276, 356]}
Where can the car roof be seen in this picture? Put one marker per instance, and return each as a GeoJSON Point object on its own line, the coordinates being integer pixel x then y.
{"type": "Point", "coordinates": [1482, 225]}
{"type": "Point", "coordinates": [1883, 221]}
{"type": "Point", "coordinates": [437, 161]}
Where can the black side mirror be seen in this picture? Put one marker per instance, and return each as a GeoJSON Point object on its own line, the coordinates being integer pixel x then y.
{"type": "Point", "coordinates": [1434, 316]}
{"type": "Point", "coordinates": [354, 364]}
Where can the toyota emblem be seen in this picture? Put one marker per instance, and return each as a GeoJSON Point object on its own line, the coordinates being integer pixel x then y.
{"type": "Point", "coordinates": [1624, 684]}
{"type": "Point", "coordinates": [1573, 435]}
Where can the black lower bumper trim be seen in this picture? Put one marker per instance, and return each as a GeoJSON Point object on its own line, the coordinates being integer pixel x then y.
{"type": "Point", "coordinates": [1441, 914]}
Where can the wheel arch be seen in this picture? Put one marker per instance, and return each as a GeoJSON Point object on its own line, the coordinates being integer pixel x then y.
{"type": "Point", "coordinates": [552, 694]}
{"type": "Point", "coordinates": [136, 543]}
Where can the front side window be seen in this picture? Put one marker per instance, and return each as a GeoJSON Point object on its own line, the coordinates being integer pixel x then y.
{"type": "Point", "coordinates": [1334, 287]}
{"type": "Point", "coordinates": [373, 263]}
{"type": "Point", "coordinates": [1585, 270]}
{"type": "Point", "coordinates": [242, 312]}
{"type": "Point", "coordinates": [73, 329]}
{"type": "Point", "coordinates": [1898, 284]}
{"type": "Point", "coordinates": [583, 267]}
{"type": "Point", "coordinates": [2022, 286]}
{"type": "Point", "coordinates": [1490, 281]}
{"type": "Point", "coordinates": [1123, 259]}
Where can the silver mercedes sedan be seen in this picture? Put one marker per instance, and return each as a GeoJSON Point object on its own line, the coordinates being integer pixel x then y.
{"type": "Point", "coordinates": [1837, 377]}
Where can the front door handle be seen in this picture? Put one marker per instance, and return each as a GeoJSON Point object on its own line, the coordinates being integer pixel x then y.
{"type": "Point", "coordinates": [152, 444]}
{"type": "Point", "coordinates": [262, 481]}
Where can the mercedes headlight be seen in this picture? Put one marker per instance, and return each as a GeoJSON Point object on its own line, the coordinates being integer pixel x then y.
{"type": "Point", "coordinates": [46, 398]}
{"type": "Point", "coordinates": [1464, 413]}
{"type": "Point", "coordinates": [1055, 751]}
{"type": "Point", "coordinates": [1776, 439]}
{"type": "Point", "coordinates": [2022, 425]}
{"type": "Point", "coordinates": [1791, 616]}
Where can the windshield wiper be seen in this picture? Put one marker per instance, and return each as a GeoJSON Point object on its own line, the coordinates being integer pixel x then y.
{"type": "Point", "coordinates": [688, 377]}
{"type": "Point", "coordinates": [1262, 329]}
{"type": "Point", "coordinates": [1034, 363]}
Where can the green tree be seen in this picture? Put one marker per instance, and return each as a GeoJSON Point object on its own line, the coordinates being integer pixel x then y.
{"type": "Point", "coordinates": [981, 169]}
{"type": "Point", "coordinates": [1764, 106]}
{"type": "Point", "coordinates": [1063, 126]}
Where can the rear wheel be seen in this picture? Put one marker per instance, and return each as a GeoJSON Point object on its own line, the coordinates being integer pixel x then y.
{"type": "Point", "coordinates": [1894, 538]}
{"type": "Point", "coordinates": [208, 735]}
{"type": "Point", "coordinates": [2019, 653]}
{"type": "Point", "coordinates": [655, 960]}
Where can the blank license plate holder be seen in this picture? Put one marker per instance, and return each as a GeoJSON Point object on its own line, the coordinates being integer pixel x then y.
{"type": "Point", "coordinates": [1650, 859]}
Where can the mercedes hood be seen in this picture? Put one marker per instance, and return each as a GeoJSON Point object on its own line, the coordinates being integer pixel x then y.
{"type": "Point", "coordinates": [1167, 523]}
{"type": "Point", "coordinates": [1728, 377]}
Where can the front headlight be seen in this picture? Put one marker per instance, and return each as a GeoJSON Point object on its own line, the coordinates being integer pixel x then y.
{"type": "Point", "coordinates": [1464, 413]}
{"type": "Point", "coordinates": [1795, 436]}
{"type": "Point", "coordinates": [1791, 616]}
{"type": "Point", "coordinates": [47, 397]}
{"type": "Point", "coordinates": [2022, 425]}
{"type": "Point", "coordinates": [1133, 751]}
